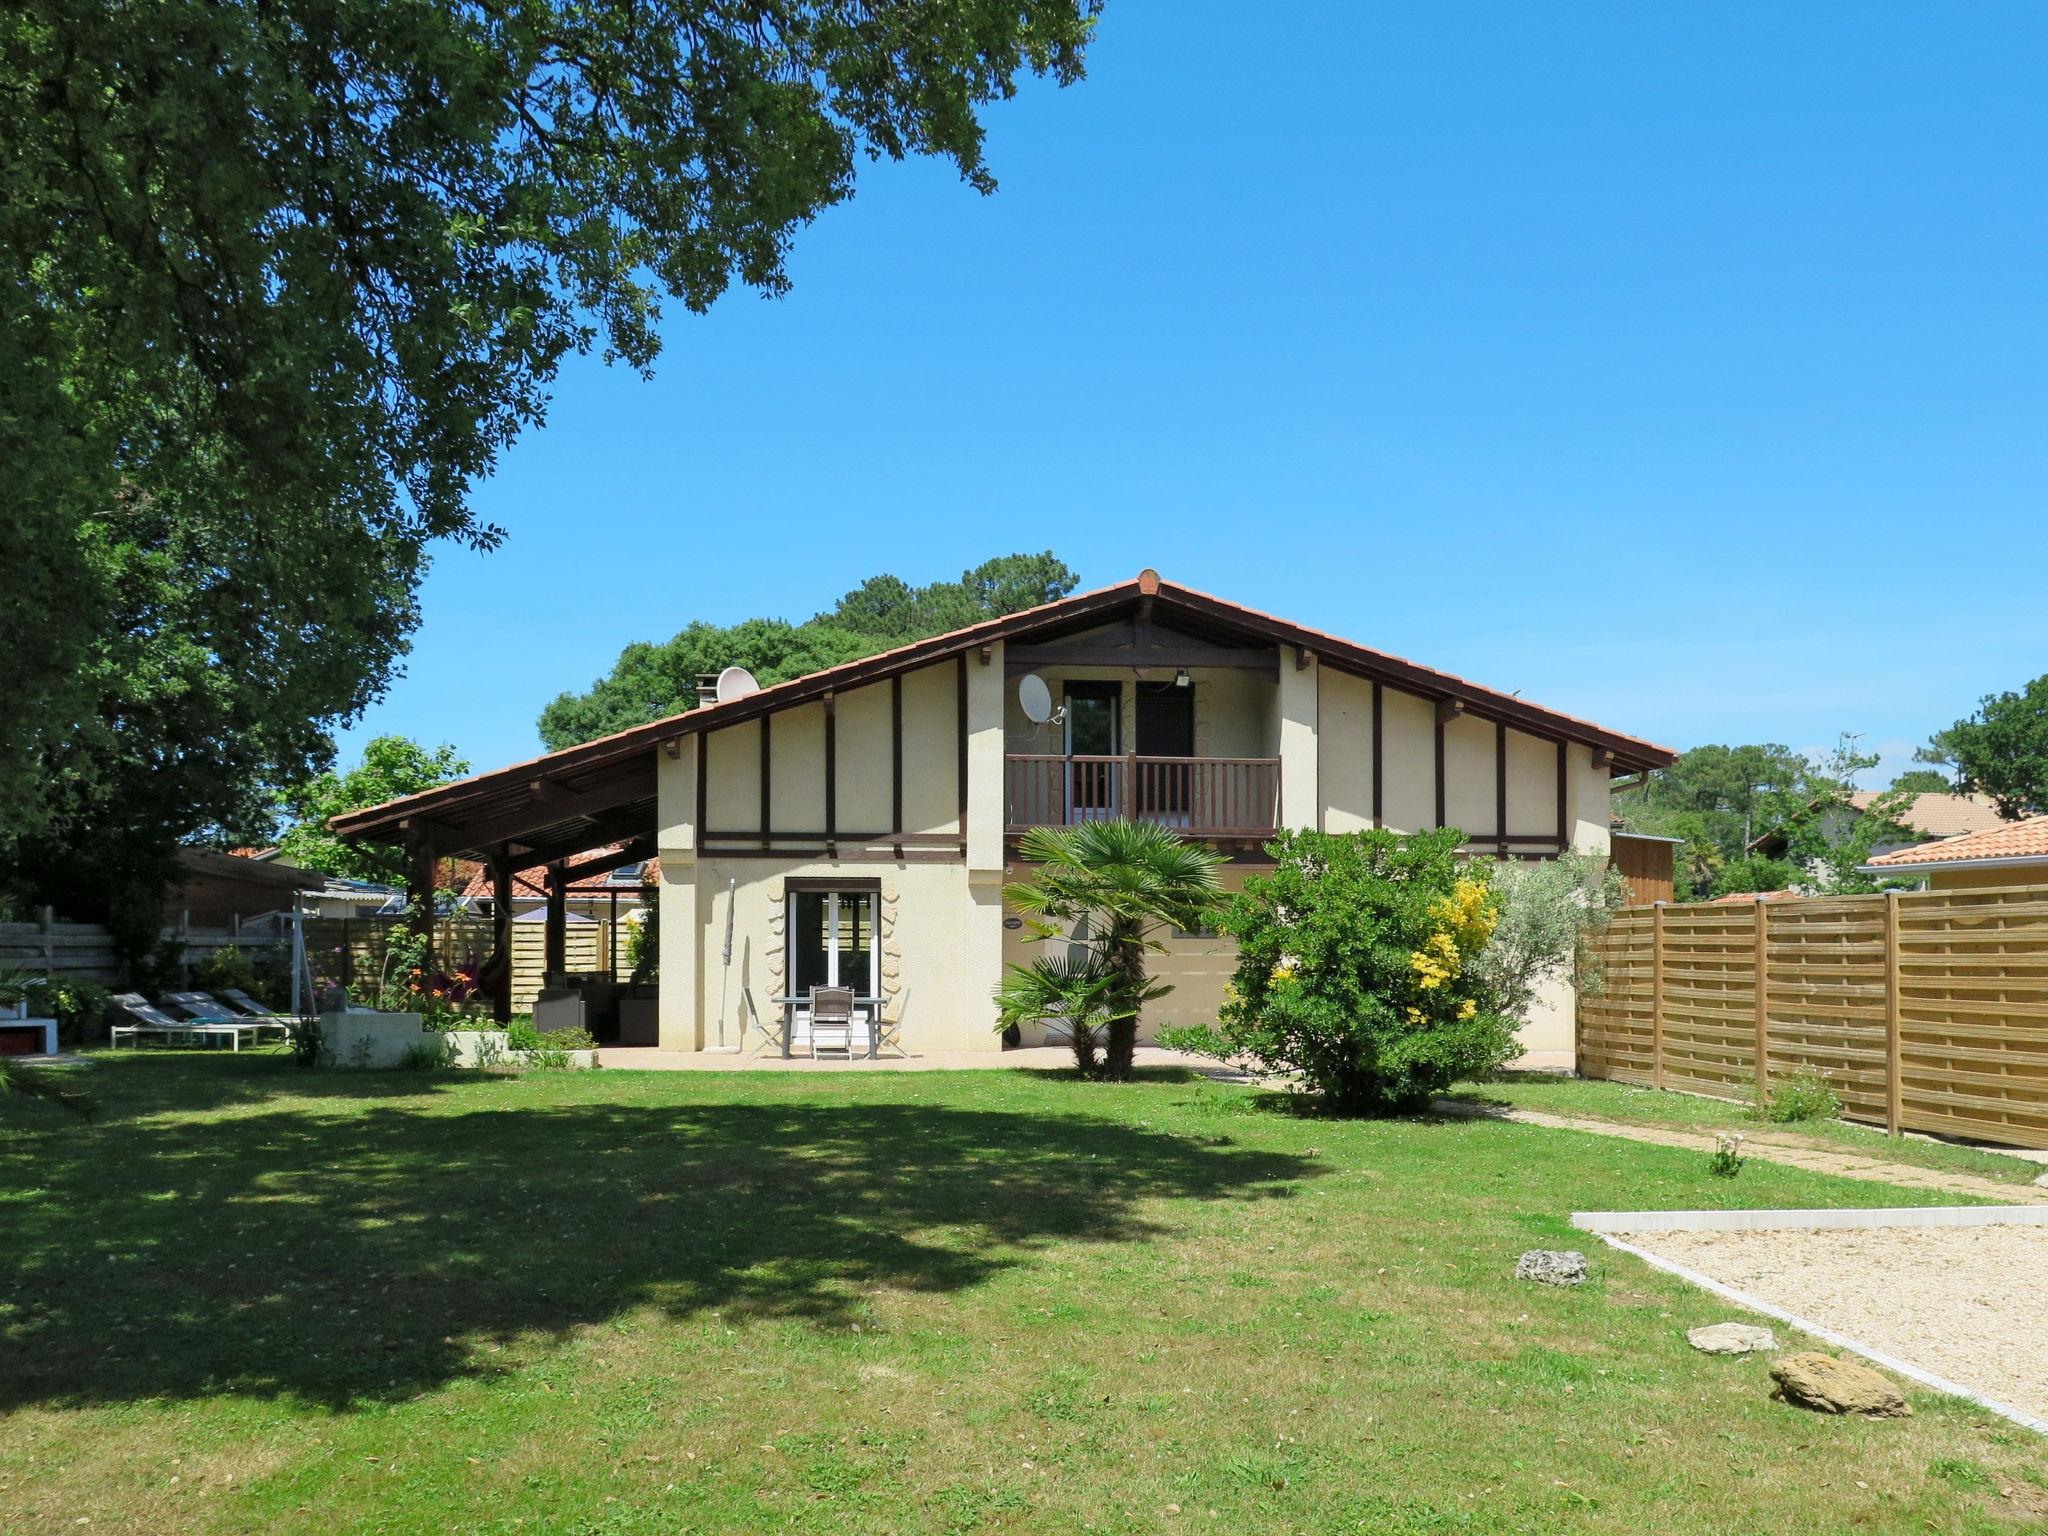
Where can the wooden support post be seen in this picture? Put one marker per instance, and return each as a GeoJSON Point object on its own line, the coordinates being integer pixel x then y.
{"type": "Point", "coordinates": [555, 941]}
{"type": "Point", "coordinates": [501, 940]}
{"type": "Point", "coordinates": [1763, 1002]}
{"type": "Point", "coordinates": [1893, 1098]}
{"type": "Point", "coordinates": [1657, 995]}
{"type": "Point", "coordinates": [419, 900]}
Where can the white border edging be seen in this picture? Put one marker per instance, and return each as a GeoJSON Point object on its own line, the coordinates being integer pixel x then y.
{"type": "Point", "coordinates": [1604, 1225]}
{"type": "Point", "coordinates": [1604, 1222]}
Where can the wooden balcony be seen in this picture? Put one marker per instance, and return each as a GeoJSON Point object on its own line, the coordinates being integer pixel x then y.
{"type": "Point", "coordinates": [1202, 796]}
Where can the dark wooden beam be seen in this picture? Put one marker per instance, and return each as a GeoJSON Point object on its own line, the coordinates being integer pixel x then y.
{"type": "Point", "coordinates": [599, 832]}
{"type": "Point", "coordinates": [557, 806]}
{"type": "Point", "coordinates": [1602, 758]}
{"type": "Point", "coordinates": [1564, 826]}
{"type": "Point", "coordinates": [501, 941]}
{"type": "Point", "coordinates": [896, 751]}
{"type": "Point", "coordinates": [831, 768]}
{"type": "Point", "coordinates": [1302, 657]}
{"type": "Point", "coordinates": [555, 935]}
{"type": "Point", "coordinates": [1500, 784]}
{"type": "Point", "coordinates": [1440, 768]}
{"type": "Point", "coordinates": [960, 709]}
{"type": "Point", "coordinates": [767, 777]}
{"type": "Point", "coordinates": [1158, 649]}
{"type": "Point", "coordinates": [637, 851]}
{"type": "Point", "coordinates": [1448, 710]}
{"type": "Point", "coordinates": [419, 897]}
{"type": "Point", "coordinates": [1379, 760]}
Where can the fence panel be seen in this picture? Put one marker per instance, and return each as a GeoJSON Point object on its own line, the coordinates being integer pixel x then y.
{"type": "Point", "coordinates": [1827, 996]}
{"type": "Point", "coordinates": [1709, 999]}
{"type": "Point", "coordinates": [1614, 1036]}
{"type": "Point", "coordinates": [1973, 1014]}
{"type": "Point", "coordinates": [1925, 1011]}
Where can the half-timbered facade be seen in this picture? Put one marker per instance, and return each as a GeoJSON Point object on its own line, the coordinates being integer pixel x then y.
{"type": "Point", "coordinates": [856, 826]}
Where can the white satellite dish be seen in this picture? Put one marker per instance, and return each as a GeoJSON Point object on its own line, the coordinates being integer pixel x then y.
{"type": "Point", "coordinates": [736, 683]}
{"type": "Point", "coordinates": [1034, 698]}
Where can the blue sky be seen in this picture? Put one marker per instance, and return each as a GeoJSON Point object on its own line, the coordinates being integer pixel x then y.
{"type": "Point", "coordinates": [1683, 367]}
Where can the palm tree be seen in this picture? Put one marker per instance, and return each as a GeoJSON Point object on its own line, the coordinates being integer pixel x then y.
{"type": "Point", "coordinates": [1122, 881]}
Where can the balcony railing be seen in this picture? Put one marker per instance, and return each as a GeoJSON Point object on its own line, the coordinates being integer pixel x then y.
{"type": "Point", "coordinates": [1207, 796]}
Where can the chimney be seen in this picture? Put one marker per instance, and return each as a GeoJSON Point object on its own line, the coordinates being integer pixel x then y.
{"type": "Point", "coordinates": [707, 688]}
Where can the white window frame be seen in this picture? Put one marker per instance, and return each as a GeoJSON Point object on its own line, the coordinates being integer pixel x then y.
{"type": "Point", "coordinates": [833, 896]}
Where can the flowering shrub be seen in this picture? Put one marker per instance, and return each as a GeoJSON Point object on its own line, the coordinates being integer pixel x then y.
{"type": "Point", "coordinates": [1356, 969]}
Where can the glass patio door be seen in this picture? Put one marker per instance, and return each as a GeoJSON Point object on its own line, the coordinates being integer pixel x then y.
{"type": "Point", "coordinates": [832, 941]}
{"type": "Point", "coordinates": [1094, 714]}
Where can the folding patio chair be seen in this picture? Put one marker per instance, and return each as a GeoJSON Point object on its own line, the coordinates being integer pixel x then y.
{"type": "Point", "coordinates": [832, 1021]}
{"type": "Point", "coordinates": [891, 1029]}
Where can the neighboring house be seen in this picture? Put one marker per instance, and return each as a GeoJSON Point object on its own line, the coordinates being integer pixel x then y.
{"type": "Point", "coordinates": [225, 890]}
{"type": "Point", "coordinates": [858, 825]}
{"type": "Point", "coordinates": [2010, 853]}
{"type": "Point", "coordinates": [1930, 817]}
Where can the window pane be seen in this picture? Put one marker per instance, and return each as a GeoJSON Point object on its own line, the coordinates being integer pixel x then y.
{"type": "Point", "coordinates": [809, 963]}
{"type": "Point", "coordinates": [857, 942]}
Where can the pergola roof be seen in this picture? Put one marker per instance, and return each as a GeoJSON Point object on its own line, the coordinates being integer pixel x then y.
{"type": "Point", "coordinates": [602, 791]}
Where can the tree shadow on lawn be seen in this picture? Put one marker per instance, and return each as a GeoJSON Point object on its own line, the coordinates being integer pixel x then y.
{"type": "Point", "coordinates": [372, 1256]}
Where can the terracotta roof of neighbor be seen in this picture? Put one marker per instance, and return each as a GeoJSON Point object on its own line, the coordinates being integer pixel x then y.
{"type": "Point", "coordinates": [1940, 815]}
{"type": "Point", "coordinates": [2018, 841]}
{"type": "Point", "coordinates": [486, 799]}
{"type": "Point", "coordinates": [473, 879]}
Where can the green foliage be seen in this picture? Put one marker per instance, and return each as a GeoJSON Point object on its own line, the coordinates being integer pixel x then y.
{"type": "Point", "coordinates": [308, 1043]}
{"type": "Point", "coordinates": [650, 682]}
{"type": "Point", "coordinates": [643, 939]}
{"type": "Point", "coordinates": [548, 1050]}
{"type": "Point", "coordinates": [2002, 750]}
{"type": "Point", "coordinates": [392, 767]}
{"type": "Point", "coordinates": [20, 1081]}
{"type": "Point", "coordinates": [1830, 838]}
{"type": "Point", "coordinates": [79, 1006]}
{"type": "Point", "coordinates": [430, 1053]}
{"type": "Point", "coordinates": [281, 284]}
{"type": "Point", "coordinates": [1356, 969]}
{"type": "Point", "coordinates": [1924, 781]}
{"type": "Point", "coordinates": [1115, 884]}
{"type": "Point", "coordinates": [1075, 991]}
{"type": "Point", "coordinates": [1717, 799]}
{"type": "Point", "coordinates": [18, 984]}
{"type": "Point", "coordinates": [1754, 873]}
{"type": "Point", "coordinates": [1726, 1160]}
{"type": "Point", "coordinates": [1547, 910]}
{"type": "Point", "coordinates": [1801, 1096]}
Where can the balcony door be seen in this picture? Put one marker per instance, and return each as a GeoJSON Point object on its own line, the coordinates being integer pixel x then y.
{"type": "Point", "coordinates": [1095, 729]}
{"type": "Point", "coordinates": [1166, 728]}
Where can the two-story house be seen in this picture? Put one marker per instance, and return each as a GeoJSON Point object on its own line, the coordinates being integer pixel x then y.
{"type": "Point", "coordinates": [856, 826]}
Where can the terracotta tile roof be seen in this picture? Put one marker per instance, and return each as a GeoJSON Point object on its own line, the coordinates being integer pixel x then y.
{"type": "Point", "coordinates": [472, 879]}
{"type": "Point", "coordinates": [2016, 840]}
{"type": "Point", "coordinates": [1939, 815]}
{"type": "Point", "coordinates": [386, 822]}
{"type": "Point", "coordinates": [1787, 894]}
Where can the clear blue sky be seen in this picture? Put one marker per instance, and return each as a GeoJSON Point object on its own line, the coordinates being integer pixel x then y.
{"type": "Point", "coordinates": [1683, 367]}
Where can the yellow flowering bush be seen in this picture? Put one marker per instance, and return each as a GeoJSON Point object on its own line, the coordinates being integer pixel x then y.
{"type": "Point", "coordinates": [1358, 967]}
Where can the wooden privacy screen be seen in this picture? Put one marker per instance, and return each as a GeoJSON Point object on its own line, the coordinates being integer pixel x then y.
{"type": "Point", "coordinates": [1926, 1011]}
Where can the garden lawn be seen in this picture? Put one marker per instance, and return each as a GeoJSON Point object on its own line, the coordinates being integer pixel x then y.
{"type": "Point", "coordinates": [1626, 1104]}
{"type": "Point", "coordinates": [256, 1299]}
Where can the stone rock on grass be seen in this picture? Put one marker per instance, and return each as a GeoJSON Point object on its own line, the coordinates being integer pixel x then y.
{"type": "Point", "coordinates": [1731, 1338]}
{"type": "Point", "coordinates": [1548, 1266]}
{"type": "Point", "coordinates": [1829, 1384]}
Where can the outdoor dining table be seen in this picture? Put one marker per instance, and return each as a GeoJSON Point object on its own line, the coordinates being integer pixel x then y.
{"type": "Point", "coordinates": [873, 1005]}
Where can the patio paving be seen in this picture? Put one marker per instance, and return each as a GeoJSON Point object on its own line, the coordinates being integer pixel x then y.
{"type": "Point", "coordinates": [1043, 1058]}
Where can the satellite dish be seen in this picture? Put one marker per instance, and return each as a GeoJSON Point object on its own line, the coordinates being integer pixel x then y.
{"type": "Point", "coordinates": [736, 683]}
{"type": "Point", "coordinates": [1035, 698]}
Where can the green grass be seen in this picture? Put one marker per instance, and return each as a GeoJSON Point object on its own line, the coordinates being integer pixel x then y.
{"type": "Point", "coordinates": [250, 1298]}
{"type": "Point", "coordinates": [1631, 1105]}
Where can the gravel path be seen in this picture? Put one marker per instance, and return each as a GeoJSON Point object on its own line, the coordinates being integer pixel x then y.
{"type": "Point", "coordinates": [1966, 1303]}
{"type": "Point", "coordinates": [1771, 1149]}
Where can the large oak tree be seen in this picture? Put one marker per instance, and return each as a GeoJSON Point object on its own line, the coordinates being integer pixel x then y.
{"type": "Point", "coordinates": [282, 279]}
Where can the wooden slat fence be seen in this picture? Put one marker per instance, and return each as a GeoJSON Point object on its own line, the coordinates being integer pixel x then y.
{"type": "Point", "coordinates": [85, 951]}
{"type": "Point", "coordinates": [351, 950]}
{"type": "Point", "coordinates": [1925, 1011]}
